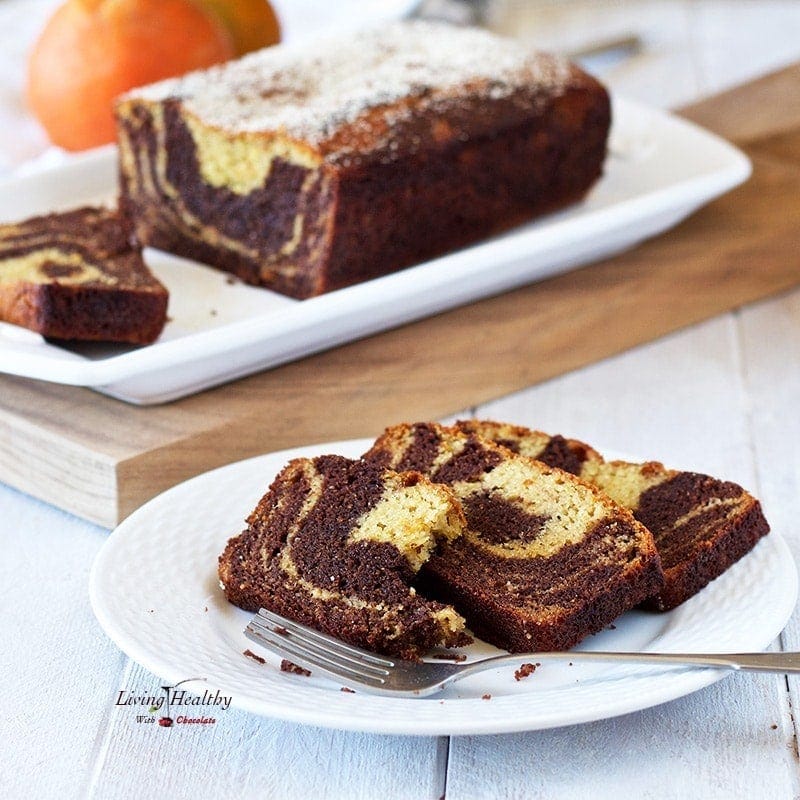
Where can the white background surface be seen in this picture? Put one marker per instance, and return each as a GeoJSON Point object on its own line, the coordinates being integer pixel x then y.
{"type": "Point", "coordinates": [722, 396]}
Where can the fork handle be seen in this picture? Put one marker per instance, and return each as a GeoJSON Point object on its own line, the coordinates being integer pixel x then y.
{"type": "Point", "coordinates": [745, 662]}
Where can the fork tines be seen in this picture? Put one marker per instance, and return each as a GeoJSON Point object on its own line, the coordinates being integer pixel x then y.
{"type": "Point", "coordinates": [312, 649]}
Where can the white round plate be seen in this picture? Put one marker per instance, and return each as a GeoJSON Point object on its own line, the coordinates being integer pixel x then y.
{"type": "Point", "coordinates": [154, 590]}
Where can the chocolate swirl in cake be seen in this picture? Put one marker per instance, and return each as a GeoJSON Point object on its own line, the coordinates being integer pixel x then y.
{"type": "Point", "coordinates": [555, 451]}
{"type": "Point", "coordinates": [335, 544]}
{"type": "Point", "coordinates": [545, 559]}
{"type": "Point", "coordinates": [701, 525]}
{"type": "Point", "coordinates": [75, 275]}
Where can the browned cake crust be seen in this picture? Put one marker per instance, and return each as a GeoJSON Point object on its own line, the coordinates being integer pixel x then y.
{"type": "Point", "coordinates": [334, 544]}
{"type": "Point", "coordinates": [431, 150]}
{"type": "Point", "coordinates": [546, 559]}
{"type": "Point", "coordinates": [701, 525]}
{"type": "Point", "coordinates": [76, 275]}
{"type": "Point", "coordinates": [555, 451]}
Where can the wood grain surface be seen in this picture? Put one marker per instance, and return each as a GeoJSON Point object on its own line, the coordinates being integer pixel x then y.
{"type": "Point", "coordinates": [101, 459]}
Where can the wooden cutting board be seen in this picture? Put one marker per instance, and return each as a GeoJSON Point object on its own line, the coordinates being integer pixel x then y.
{"type": "Point", "coordinates": [100, 458]}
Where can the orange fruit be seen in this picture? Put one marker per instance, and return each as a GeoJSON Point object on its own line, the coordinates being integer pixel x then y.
{"type": "Point", "coordinates": [90, 51]}
{"type": "Point", "coordinates": [251, 23]}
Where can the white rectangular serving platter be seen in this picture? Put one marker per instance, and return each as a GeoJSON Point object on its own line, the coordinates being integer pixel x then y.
{"type": "Point", "coordinates": [660, 169]}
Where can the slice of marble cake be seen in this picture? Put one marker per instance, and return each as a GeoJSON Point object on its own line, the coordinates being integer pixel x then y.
{"type": "Point", "coordinates": [701, 525]}
{"type": "Point", "coordinates": [76, 275]}
{"type": "Point", "coordinates": [545, 559]}
{"type": "Point", "coordinates": [335, 543]}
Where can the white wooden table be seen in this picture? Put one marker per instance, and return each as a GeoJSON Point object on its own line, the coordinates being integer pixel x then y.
{"type": "Point", "coordinates": [721, 397]}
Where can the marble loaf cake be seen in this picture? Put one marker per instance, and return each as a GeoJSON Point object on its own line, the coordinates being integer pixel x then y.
{"type": "Point", "coordinates": [306, 168]}
{"type": "Point", "coordinates": [335, 544]}
{"type": "Point", "coordinates": [545, 558]}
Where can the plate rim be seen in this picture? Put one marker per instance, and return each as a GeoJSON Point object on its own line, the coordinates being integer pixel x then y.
{"type": "Point", "coordinates": [672, 684]}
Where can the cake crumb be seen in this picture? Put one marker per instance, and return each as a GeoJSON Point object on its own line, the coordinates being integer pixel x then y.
{"type": "Point", "coordinates": [486, 697]}
{"type": "Point", "coordinates": [205, 608]}
{"type": "Point", "coordinates": [280, 630]}
{"type": "Point", "coordinates": [295, 669]}
{"type": "Point", "coordinates": [774, 727]}
{"type": "Point", "coordinates": [457, 657]}
{"type": "Point", "coordinates": [347, 689]}
{"type": "Point", "coordinates": [525, 670]}
{"type": "Point", "coordinates": [251, 654]}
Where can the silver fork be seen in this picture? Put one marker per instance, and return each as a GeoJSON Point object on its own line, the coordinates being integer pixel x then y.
{"type": "Point", "coordinates": [392, 676]}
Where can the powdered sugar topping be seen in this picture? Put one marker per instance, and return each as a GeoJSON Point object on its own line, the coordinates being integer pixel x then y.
{"type": "Point", "coordinates": [310, 90]}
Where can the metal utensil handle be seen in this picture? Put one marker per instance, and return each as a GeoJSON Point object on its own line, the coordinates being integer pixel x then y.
{"type": "Point", "coordinates": [746, 662]}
